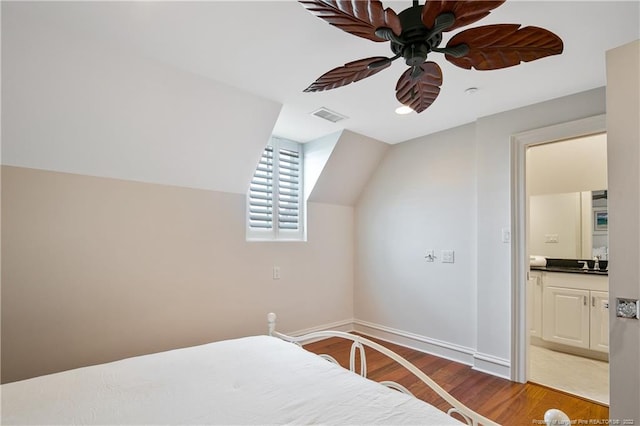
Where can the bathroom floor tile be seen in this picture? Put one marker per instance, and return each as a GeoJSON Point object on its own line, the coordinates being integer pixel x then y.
{"type": "Point", "coordinates": [584, 377]}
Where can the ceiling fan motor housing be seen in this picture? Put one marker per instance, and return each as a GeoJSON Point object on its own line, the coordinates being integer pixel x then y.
{"type": "Point", "coordinates": [417, 40]}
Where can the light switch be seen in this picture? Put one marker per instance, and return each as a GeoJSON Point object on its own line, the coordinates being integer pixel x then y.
{"type": "Point", "coordinates": [447, 256]}
{"type": "Point", "coordinates": [506, 235]}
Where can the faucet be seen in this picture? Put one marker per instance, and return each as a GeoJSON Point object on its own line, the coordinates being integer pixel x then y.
{"type": "Point", "coordinates": [597, 262]}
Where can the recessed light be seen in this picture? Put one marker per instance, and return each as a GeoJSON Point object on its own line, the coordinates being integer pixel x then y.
{"type": "Point", "coordinates": [471, 90]}
{"type": "Point", "coordinates": [403, 110]}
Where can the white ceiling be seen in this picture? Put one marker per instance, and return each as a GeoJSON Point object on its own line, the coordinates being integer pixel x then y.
{"type": "Point", "coordinates": [275, 49]}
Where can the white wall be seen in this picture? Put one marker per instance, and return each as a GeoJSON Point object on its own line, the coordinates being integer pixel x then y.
{"type": "Point", "coordinates": [339, 165]}
{"type": "Point", "coordinates": [560, 215]}
{"type": "Point", "coordinates": [574, 165]}
{"type": "Point", "coordinates": [562, 171]}
{"type": "Point", "coordinates": [421, 197]}
{"type": "Point", "coordinates": [623, 110]}
{"type": "Point", "coordinates": [353, 160]}
{"type": "Point", "coordinates": [316, 154]}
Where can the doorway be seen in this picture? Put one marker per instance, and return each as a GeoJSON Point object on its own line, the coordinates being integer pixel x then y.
{"type": "Point", "coordinates": [567, 294]}
{"type": "Point", "coordinates": [523, 356]}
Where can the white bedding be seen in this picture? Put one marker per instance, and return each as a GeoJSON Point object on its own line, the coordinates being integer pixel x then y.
{"type": "Point", "coordinates": [253, 380]}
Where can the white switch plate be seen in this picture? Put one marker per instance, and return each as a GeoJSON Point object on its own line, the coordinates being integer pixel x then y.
{"type": "Point", "coordinates": [506, 235]}
{"type": "Point", "coordinates": [276, 272]}
{"type": "Point", "coordinates": [447, 256]}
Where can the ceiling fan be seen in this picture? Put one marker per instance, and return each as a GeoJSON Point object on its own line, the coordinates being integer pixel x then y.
{"type": "Point", "coordinates": [417, 31]}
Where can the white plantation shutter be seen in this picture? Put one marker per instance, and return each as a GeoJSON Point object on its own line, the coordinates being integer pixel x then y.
{"type": "Point", "coordinates": [275, 199]}
{"type": "Point", "coordinates": [261, 193]}
{"type": "Point", "coordinates": [288, 189]}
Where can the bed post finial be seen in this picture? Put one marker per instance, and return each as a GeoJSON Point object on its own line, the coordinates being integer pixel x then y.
{"type": "Point", "coordinates": [556, 417]}
{"type": "Point", "coordinates": [271, 319]}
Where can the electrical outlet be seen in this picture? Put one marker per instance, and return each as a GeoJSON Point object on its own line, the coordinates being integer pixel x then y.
{"type": "Point", "coordinates": [276, 272]}
{"type": "Point", "coordinates": [551, 238]}
{"type": "Point", "coordinates": [447, 256]}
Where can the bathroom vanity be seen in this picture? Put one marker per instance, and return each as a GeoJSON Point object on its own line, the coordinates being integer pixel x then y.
{"type": "Point", "coordinates": [568, 308]}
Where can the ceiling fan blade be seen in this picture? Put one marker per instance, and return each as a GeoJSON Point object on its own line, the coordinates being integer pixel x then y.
{"type": "Point", "coordinates": [418, 90]}
{"type": "Point", "coordinates": [361, 18]}
{"type": "Point", "coordinates": [465, 11]}
{"type": "Point", "coordinates": [504, 45]}
{"type": "Point", "coordinates": [349, 73]}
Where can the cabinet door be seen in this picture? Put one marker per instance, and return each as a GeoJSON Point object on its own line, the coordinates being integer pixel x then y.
{"type": "Point", "coordinates": [534, 305]}
{"type": "Point", "coordinates": [600, 321]}
{"type": "Point", "coordinates": [566, 316]}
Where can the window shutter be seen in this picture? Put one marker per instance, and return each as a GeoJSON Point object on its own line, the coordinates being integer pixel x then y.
{"type": "Point", "coordinates": [288, 189]}
{"type": "Point", "coordinates": [275, 202]}
{"type": "Point", "coordinates": [261, 193]}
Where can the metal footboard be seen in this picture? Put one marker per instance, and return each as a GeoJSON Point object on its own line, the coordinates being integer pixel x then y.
{"type": "Point", "coordinates": [357, 347]}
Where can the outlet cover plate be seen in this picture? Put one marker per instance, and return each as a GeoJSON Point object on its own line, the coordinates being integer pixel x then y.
{"type": "Point", "coordinates": [447, 256]}
{"type": "Point", "coordinates": [551, 238]}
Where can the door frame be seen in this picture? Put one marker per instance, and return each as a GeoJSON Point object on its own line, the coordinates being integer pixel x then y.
{"type": "Point", "coordinates": [519, 219]}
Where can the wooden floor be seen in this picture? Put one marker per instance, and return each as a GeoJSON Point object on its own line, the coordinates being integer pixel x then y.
{"type": "Point", "coordinates": [501, 400]}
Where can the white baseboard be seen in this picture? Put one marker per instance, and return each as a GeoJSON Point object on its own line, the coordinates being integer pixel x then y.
{"type": "Point", "coordinates": [478, 361]}
{"type": "Point", "coordinates": [420, 343]}
{"type": "Point", "coordinates": [343, 325]}
{"type": "Point", "coordinates": [493, 365]}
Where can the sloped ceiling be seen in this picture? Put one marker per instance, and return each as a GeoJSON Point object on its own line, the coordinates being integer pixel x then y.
{"type": "Point", "coordinates": [70, 107]}
{"type": "Point", "coordinates": [274, 49]}
{"type": "Point", "coordinates": [188, 93]}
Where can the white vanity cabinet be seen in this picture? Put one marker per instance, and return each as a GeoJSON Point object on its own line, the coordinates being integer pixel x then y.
{"type": "Point", "coordinates": [575, 310]}
{"type": "Point", "coordinates": [599, 337]}
{"type": "Point", "coordinates": [534, 300]}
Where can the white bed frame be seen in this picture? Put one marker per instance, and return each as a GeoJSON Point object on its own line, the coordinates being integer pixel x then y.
{"type": "Point", "coordinates": [358, 343]}
{"type": "Point", "coordinates": [552, 416]}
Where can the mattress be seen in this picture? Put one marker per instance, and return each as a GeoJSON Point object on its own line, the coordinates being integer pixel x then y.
{"type": "Point", "coordinates": [252, 380]}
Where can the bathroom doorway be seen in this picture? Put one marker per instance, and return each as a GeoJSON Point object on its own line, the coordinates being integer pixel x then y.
{"type": "Point", "coordinates": [567, 289]}
{"type": "Point", "coordinates": [536, 356]}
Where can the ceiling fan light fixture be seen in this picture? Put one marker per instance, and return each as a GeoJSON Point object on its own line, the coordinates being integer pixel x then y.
{"type": "Point", "coordinates": [403, 110]}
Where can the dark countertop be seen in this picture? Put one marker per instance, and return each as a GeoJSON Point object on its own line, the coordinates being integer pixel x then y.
{"type": "Point", "coordinates": [569, 270]}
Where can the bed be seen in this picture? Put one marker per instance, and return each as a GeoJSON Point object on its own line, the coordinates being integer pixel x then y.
{"type": "Point", "coordinates": [252, 380]}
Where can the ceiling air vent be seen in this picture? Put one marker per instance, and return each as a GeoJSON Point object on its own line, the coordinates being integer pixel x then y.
{"type": "Point", "coordinates": [329, 115]}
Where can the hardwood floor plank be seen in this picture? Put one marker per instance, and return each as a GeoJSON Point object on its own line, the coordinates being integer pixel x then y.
{"type": "Point", "coordinates": [499, 399]}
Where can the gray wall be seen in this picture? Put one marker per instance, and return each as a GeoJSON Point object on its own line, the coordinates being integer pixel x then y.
{"type": "Point", "coordinates": [623, 113]}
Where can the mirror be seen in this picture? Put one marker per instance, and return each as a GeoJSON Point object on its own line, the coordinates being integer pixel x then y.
{"type": "Point", "coordinates": [570, 225]}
